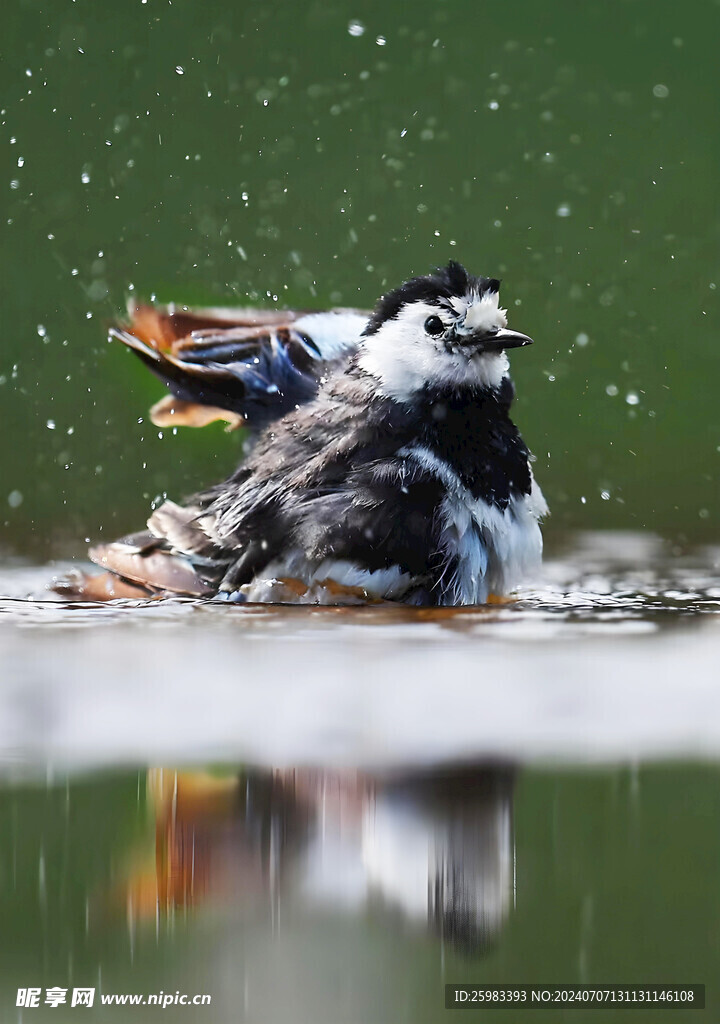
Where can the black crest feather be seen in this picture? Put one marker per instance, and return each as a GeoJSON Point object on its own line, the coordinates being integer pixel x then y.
{"type": "Point", "coordinates": [443, 283]}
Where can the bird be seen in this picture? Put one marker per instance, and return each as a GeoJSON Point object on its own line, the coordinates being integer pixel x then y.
{"type": "Point", "coordinates": [384, 465]}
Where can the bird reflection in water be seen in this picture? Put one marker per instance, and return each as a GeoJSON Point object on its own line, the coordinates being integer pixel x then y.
{"type": "Point", "coordinates": [432, 850]}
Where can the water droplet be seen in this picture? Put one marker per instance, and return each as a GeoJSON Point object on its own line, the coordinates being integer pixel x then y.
{"type": "Point", "coordinates": [494, 105]}
{"type": "Point", "coordinates": [632, 398]}
{"type": "Point", "coordinates": [661, 91]}
{"type": "Point", "coordinates": [611, 390]}
{"type": "Point", "coordinates": [42, 331]}
{"type": "Point", "coordinates": [356, 28]}
{"type": "Point", "coordinates": [582, 340]}
{"type": "Point", "coordinates": [85, 178]}
{"type": "Point", "coordinates": [605, 495]}
{"type": "Point", "coordinates": [51, 424]}
{"type": "Point", "coordinates": [179, 70]}
{"type": "Point", "coordinates": [563, 210]}
{"type": "Point", "coordinates": [97, 290]}
{"type": "Point", "coordinates": [381, 40]}
{"type": "Point", "coordinates": [608, 297]}
{"type": "Point", "coordinates": [15, 499]}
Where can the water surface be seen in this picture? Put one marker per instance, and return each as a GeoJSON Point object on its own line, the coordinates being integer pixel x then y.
{"type": "Point", "coordinates": [613, 657]}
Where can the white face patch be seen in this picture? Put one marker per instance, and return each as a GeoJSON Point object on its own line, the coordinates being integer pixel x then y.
{"type": "Point", "coordinates": [404, 358]}
{"type": "Point", "coordinates": [481, 314]}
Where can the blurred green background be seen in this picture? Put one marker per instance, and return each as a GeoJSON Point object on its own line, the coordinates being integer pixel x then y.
{"type": "Point", "coordinates": [314, 154]}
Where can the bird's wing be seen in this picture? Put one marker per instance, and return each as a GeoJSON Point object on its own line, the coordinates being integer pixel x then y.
{"type": "Point", "coordinates": [241, 365]}
{"type": "Point", "coordinates": [174, 555]}
{"type": "Point", "coordinates": [323, 484]}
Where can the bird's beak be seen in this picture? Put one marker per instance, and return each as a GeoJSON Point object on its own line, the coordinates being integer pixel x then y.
{"type": "Point", "coordinates": [502, 339]}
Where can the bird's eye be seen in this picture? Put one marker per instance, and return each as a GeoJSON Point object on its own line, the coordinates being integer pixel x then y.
{"type": "Point", "coordinates": [434, 326]}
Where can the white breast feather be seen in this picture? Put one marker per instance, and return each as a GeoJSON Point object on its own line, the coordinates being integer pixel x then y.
{"type": "Point", "coordinates": [494, 549]}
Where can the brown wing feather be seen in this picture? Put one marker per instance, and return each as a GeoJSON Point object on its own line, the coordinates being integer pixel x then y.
{"type": "Point", "coordinates": [179, 527]}
{"type": "Point", "coordinates": [155, 567]}
{"type": "Point", "coordinates": [196, 354]}
{"type": "Point", "coordinates": [163, 327]}
{"type": "Point", "coordinates": [175, 412]}
{"type": "Point", "coordinates": [106, 586]}
{"type": "Point", "coordinates": [254, 364]}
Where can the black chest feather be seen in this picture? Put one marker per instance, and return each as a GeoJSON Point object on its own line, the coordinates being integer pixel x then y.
{"type": "Point", "coordinates": [473, 432]}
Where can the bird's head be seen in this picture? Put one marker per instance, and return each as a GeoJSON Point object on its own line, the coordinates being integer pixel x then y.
{"type": "Point", "coordinates": [444, 330]}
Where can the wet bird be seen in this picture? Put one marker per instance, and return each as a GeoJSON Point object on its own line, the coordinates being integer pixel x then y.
{"type": "Point", "coordinates": [385, 467]}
